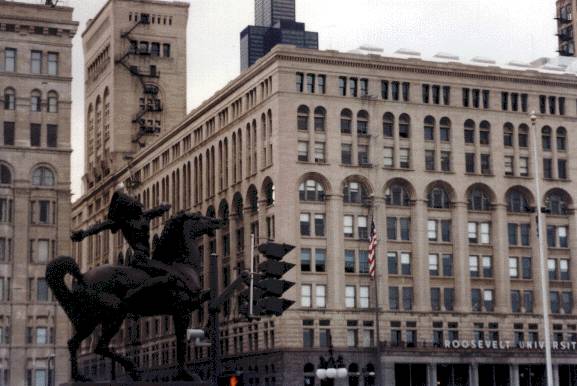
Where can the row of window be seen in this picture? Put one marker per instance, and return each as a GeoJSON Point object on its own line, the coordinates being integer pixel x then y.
{"type": "Point", "coordinates": [430, 93]}
{"type": "Point", "coordinates": [556, 201]}
{"type": "Point", "coordinates": [36, 103]}
{"type": "Point", "coordinates": [40, 62]}
{"type": "Point", "coordinates": [41, 176]}
{"type": "Point", "coordinates": [150, 48]}
{"type": "Point", "coordinates": [359, 333]}
{"type": "Point", "coordinates": [37, 290]}
{"type": "Point", "coordinates": [36, 137]}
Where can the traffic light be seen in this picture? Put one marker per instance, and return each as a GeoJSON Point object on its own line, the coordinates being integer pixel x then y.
{"type": "Point", "coordinates": [268, 283]}
{"type": "Point", "coordinates": [231, 379]}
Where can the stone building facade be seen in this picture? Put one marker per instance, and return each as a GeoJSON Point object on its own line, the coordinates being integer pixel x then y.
{"type": "Point", "coordinates": [308, 147]}
{"type": "Point", "coordinates": [35, 78]}
{"type": "Point", "coordinates": [135, 80]}
{"type": "Point", "coordinates": [566, 26]}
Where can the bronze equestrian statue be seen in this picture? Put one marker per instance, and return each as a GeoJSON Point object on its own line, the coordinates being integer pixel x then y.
{"type": "Point", "coordinates": [167, 284]}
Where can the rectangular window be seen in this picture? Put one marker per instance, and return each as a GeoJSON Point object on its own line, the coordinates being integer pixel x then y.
{"type": "Point", "coordinates": [525, 234]}
{"type": "Point", "coordinates": [406, 89]}
{"type": "Point", "coordinates": [563, 269]}
{"type": "Point", "coordinates": [512, 233]}
{"type": "Point", "coordinates": [433, 264]}
{"type": "Point", "coordinates": [476, 98]}
{"type": "Point", "coordinates": [393, 298]}
{"type": "Point", "coordinates": [353, 85]}
{"type": "Point", "coordinates": [514, 101]}
{"type": "Point", "coordinates": [446, 95]}
{"type": "Point", "coordinates": [488, 300]}
{"type": "Point", "coordinates": [303, 151]}
{"type": "Point", "coordinates": [476, 299]}
{"type": "Point", "coordinates": [349, 261]}
{"type": "Point", "coordinates": [449, 298]}
{"type": "Point", "coordinates": [364, 296]}
{"type": "Point", "coordinates": [348, 226]}
{"type": "Point", "coordinates": [41, 290]}
{"type": "Point", "coordinates": [446, 161]}
{"type": "Point", "coordinates": [36, 62]}
{"type": "Point", "coordinates": [526, 267]}
{"type": "Point", "coordinates": [504, 101]}
{"type": "Point", "coordinates": [392, 263]}
{"type": "Point", "coordinates": [486, 99]}
{"type": "Point", "coordinates": [407, 298]}
{"type": "Point", "coordinates": [509, 165]}
{"type": "Point", "coordinates": [547, 168]}
{"type": "Point", "coordinates": [305, 258]}
{"type": "Point", "coordinates": [561, 101]}
{"type": "Point", "coordinates": [51, 135]}
{"type": "Point", "coordinates": [364, 87]}
{"type": "Point", "coordinates": [9, 129]}
{"type": "Point", "coordinates": [43, 251]}
{"type": "Point", "coordinates": [485, 164]}
{"type": "Point", "coordinates": [363, 262]}
{"type": "Point", "coordinates": [166, 50]}
{"type": "Point", "coordinates": [322, 83]}
{"type": "Point", "coordinates": [528, 301]}
{"type": "Point", "coordinates": [342, 86]}
{"type": "Point", "coordinates": [432, 230]}
{"type": "Point", "coordinates": [447, 265]}
{"type": "Point", "coordinates": [405, 225]}
{"type": "Point", "coordinates": [515, 301]}
{"type": "Point", "coordinates": [320, 296]}
{"type": "Point", "coordinates": [404, 160]}
{"type": "Point", "coordinates": [474, 266]}
{"type": "Point", "coordinates": [446, 230]}
{"type": "Point", "coordinates": [562, 169]}
{"type": "Point", "coordinates": [10, 59]}
{"type": "Point", "coordinates": [466, 92]}
{"type": "Point", "coordinates": [429, 160]}
{"type": "Point", "coordinates": [405, 263]}
{"type": "Point", "coordinates": [487, 266]}
{"type": "Point", "coordinates": [391, 228]}
{"type": "Point", "coordinates": [513, 267]}
{"type": "Point", "coordinates": [350, 296]}
{"type": "Point", "coordinates": [485, 233]}
{"type": "Point", "coordinates": [436, 91]}
{"type": "Point", "coordinates": [388, 157]}
{"type": "Point", "coordinates": [346, 153]}
{"type": "Point", "coordinates": [435, 299]}
{"type": "Point", "coordinates": [523, 166]}
{"type": "Point", "coordinates": [305, 222]}
{"type": "Point", "coordinates": [319, 224]}
{"type": "Point", "coordinates": [306, 295]}
{"type": "Point", "coordinates": [320, 259]}
{"type": "Point", "coordinates": [35, 133]}
{"type": "Point", "coordinates": [53, 63]}
{"type": "Point", "coordinates": [362, 229]}
{"type": "Point", "coordinates": [385, 89]}
{"type": "Point", "coordinates": [425, 93]}
{"type": "Point", "coordinates": [311, 83]}
{"type": "Point", "coordinates": [470, 162]}
{"type": "Point", "coordinates": [319, 152]}
{"type": "Point", "coordinates": [300, 77]}
{"type": "Point", "coordinates": [363, 155]}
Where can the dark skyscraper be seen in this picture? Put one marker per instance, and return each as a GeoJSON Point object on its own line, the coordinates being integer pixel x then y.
{"type": "Point", "coordinates": [274, 24]}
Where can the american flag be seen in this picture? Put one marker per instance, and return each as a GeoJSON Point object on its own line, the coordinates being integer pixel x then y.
{"type": "Point", "coordinates": [372, 249]}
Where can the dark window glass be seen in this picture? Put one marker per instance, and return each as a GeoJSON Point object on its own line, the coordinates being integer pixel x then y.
{"type": "Point", "coordinates": [447, 265]}
{"type": "Point", "coordinates": [449, 297]}
{"type": "Point", "coordinates": [470, 162]}
{"type": "Point", "coordinates": [446, 95]}
{"type": "Point", "coordinates": [35, 133]}
{"type": "Point", "coordinates": [342, 86]}
{"type": "Point", "coordinates": [305, 259]}
{"type": "Point", "coordinates": [562, 169]}
{"type": "Point", "coordinates": [391, 228]}
{"type": "Point", "coordinates": [51, 135]}
{"type": "Point", "coordinates": [435, 299]}
{"type": "Point", "coordinates": [425, 93]}
{"type": "Point", "coordinates": [349, 261]}
{"type": "Point", "coordinates": [385, 89]}
{"type": "Point", "coordinates": [504, 101]}
{"type": "Point", "coordinates": [446, 230]}
{"type": "Point", "coordinates": [393, 298]}
{"type": "Point", "coordinates": [406, 89]}
{"type": "Point", "coordinates": [486, 99]}
{"type": "Point", "coordinates": [525, 234]}
{"type": "Point", "coordinates": [407, 298]}
{"type": "Point", "coordinates": [405, 225]}
{"type": "Point", "coordinates": [526, 267]}
{"type": "Point", "coordinates": [466, 97]}
{"type": "Point", "coordinates": [395, 90]}
{"type": "Point", "coordinates": [528, 301]}
{"type": "Point", "coordinates": [476, 299]}
{"type": "Point", "coordinates": [512, 232]}
{"type": "Point", "coordinates": [476, 98]}
{"type": "Point", "coordinates": [9, 133]}
{"type": "Point", "coordinates": [392, 263]}
{"type": "Point", "coordinates": [516, 301]}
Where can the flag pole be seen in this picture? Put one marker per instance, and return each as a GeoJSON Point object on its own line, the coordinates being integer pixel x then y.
{"type": "Point", "coordinates": [373, 242]}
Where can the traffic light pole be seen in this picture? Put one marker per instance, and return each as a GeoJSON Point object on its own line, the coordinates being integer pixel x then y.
{"type": "Point", "coordinates": [213, 311]}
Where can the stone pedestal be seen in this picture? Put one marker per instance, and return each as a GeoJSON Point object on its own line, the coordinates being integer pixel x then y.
{"type": "Point", "coordinates": [143, 383]}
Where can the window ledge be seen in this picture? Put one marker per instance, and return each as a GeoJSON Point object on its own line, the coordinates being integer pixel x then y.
{"type": "Point", "coordinates": [398, 169]}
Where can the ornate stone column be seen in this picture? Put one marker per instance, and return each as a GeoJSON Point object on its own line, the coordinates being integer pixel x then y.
{"type": "Point", "coordinates": [420, 256]}
{"type": "Point", "coordinates": [501, 259]}
{"type": "Point", "coordinates": [335, 251]}
{"type": "Point", "coordinates": [461, 258]}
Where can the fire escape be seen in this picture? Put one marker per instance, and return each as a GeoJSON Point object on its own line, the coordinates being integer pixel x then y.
{"type": "Point", "coordinates": [149, 102]}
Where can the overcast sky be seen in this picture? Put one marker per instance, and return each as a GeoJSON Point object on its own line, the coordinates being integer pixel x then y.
{"type": "Point", "coordinates": [503, 30]}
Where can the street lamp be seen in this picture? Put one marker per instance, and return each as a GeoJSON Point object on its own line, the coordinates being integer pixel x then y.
{"type": "Point", "coordinates": [540, 239]}
{"type": "Point", "coordinates": [331, 368]}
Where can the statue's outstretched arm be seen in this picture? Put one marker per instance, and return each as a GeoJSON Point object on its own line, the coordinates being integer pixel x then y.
{"type": "Point", "coordinates": [94, 229]}
{"type": "Point", "coordinates": [156, 212]}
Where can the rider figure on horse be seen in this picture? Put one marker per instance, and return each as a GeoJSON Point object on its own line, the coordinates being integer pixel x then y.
{"type": "Point", "coordinates": [127, 214]}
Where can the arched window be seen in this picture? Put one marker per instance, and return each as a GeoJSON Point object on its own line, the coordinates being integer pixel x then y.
{"type": "Point", "coordinates": [388, 125]}
{"type": "Point", "coordinates": [303, 117]}
{"type": "Point", "coordinates": [445, 129]}
{"type": "Point", "coordinates": [546, 138]}
{"type": "Point", "coordinates": [479, 199]}
{"type": "Point", "coordinates": [523, 135]}
{"type": "Point", "coordinates": [252, 198]}
{"type": "Point", "coordinates": [469, 131]}
{"type": "Point", "coordinates": [311, 190]}
{"type": "Point", "coordinates": [5, 175]}
{"type": "Point", "coordinates": [237, 205]}
{"type": "Point", "coordinates": [9, 99]}
{"type": "Point", "coordinates": [557, 202]}
{"type": "Point", "coordinates": [35, 101]}
{"type": "Point", "coordinates": [42, 176]}
{"type": "Point", "coordinates": [320, 118]}
{"type": "Point", "coordinates": [561, 139]}
{"type": "Point", "coordinates": [346, 121]}
{"type": "Point", "coordinates": [508, 134]}
{"type": "Point", "coordinates": [52, 102]}
{"type": "Point", "coordinates": [438, 198]}
{"type": "Point", "coordinates": [517, 202]}
{"type": "Point", "coordinates": [362, 123]}
{"type": "Point", "coordinates": [354, 192]}
{"type": "Point", "coordinates": [485, 133]}
{"type": "Point", "coordinates": [404, 126]}
{"type": "Point", "coordinates": [397, 194]}
{"type": "Point", "coordinates": [429, 128]}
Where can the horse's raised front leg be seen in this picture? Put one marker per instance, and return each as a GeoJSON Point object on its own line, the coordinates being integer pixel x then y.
{"type": "Point", "coordinates": [81, 333]}
{"type": "Point", "coordinates": [109, 329]}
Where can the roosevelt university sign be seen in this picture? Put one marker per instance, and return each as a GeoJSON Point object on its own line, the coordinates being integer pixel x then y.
{"type": "Point", "coordinates": [507, 345]}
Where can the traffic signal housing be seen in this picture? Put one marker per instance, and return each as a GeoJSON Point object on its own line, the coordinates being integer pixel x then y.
{"type": "Point", "coordinates": [233, 378]}
{"type": "Point", "coordinates": [268, 283]}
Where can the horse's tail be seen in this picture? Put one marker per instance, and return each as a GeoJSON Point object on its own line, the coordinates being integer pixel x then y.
{"type": "Point", "coordinates": [56, 270]}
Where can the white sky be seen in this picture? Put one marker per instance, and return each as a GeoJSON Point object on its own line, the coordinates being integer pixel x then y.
{"type": "Point", "coordinates": [500, 29]}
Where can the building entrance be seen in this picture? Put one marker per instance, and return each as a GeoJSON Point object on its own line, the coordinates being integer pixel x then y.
{"type": "Point", "coordinates": [410, 374]}
{"type": "Point", "coordinates": [453, 375]}
{"type": "Point", "coordinates": [494, 375]}
{"type": "Point", "coordinates": [567, 375]}
{"type": "Point", "coordinates": [532, 375]}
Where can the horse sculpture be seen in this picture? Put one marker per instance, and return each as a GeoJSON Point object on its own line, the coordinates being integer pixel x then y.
{"type": "Point", "coordinates": [105, 295]}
